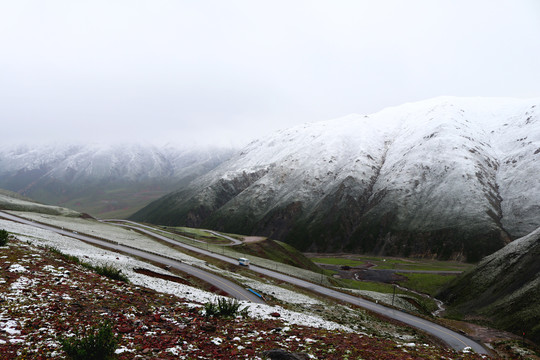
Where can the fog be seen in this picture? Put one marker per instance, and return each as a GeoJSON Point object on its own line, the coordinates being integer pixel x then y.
{"type": "Point", "coordinates": [226, 72]}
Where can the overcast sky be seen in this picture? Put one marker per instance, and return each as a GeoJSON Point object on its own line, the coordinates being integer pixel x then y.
{"type": "Point", "coordinates": [230, 71]}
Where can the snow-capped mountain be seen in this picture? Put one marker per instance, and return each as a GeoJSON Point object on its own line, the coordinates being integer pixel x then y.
{"type": "Point", "coordinates": [446, 176]}
{"type": "Point", "coordinates": [98, 177]}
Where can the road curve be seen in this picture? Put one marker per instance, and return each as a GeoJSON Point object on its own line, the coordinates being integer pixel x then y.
{"type": "Point", "coordinates": [233, 241]}
{"type": "Point", "coordinates": [453, 339]}
{"type": "Point", "coordinates": [231, 288]}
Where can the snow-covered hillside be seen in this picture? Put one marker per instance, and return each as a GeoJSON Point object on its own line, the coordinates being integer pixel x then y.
{"type": "Point", "coordinates": [98, 178]}
{"type": "Point", "coordinates": [86, 162]}
{"type": "Point", "coordinates": [446, 176]}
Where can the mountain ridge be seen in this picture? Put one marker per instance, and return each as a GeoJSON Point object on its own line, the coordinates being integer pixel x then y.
{"type": "Point", "coordinates": [102, 178]}
{"type": "Point", "coordinates": [379, 183]}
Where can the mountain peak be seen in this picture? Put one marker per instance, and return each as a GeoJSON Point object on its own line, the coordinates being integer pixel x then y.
{"type": "Point", "coordinates": [445, 176]}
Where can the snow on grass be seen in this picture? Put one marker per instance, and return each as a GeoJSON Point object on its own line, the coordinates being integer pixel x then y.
{"type": "Point", "coordinates": [10, 327]}
{"type": "Point", "coordinates": [111, 232]}
{"type": "Point", "coordinates": [262, 311]}
{"type": "Point", "coordinates": [10, 202]}
{"type": "Point", "coordinates": [278, 292]}
{"type": "Point", "coordinates": [132, 238]}
{"type": "Point", "coordinates": [17, 268]}
{"type": "Point", "coordinates": [97, 256]}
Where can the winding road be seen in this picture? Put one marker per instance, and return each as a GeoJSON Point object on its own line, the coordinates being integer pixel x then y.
{"type": "Point", "coordinates": [451, 338]}
{"type": "Point", "coordinates": [231, 288]}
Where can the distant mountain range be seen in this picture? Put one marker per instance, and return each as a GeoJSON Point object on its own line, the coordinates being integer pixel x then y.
{"type": "Point", "coordinates": [104, 180]}
{"type": "Point", "coordinates": [446, 177]}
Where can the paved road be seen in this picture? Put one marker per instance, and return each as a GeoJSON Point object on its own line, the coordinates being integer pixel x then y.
{"type": "Point", "coordinates": [231, 239]}
{"type": "Point", "coordinates": [233, 289]}
{"type": "Point", "coordinates": [137, 225]}
{"type": "Point", "coordinates": [452, 338]}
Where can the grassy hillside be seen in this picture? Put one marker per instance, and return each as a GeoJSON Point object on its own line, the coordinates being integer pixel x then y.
{"type": "Point", "coordinates": [277, 251]}
{"type": "Point", "coordinates": [260, 247]}
{"type": "Point", "coordinates": [114, 201]}
{"type": "Point", "coordinates": [71, 311]}
{"type": "Point", "coordinates": [45, 302]}
{"type": "Point", "coordinates": [15, 202]}
{"type": "Point", "coordinates": [503, 290]}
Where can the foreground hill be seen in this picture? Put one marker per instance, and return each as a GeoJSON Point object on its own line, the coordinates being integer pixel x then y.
{"type": "Point", "coordinates": [103, 180]}
{"type": "Point", "coordinates": [47, 296]}
{"type": "Point", "coordinates": [50, 290]}
{"type": "Point", "coordinates": [504, 289]}
{"type": "Point", "coordinates": [451, 177]}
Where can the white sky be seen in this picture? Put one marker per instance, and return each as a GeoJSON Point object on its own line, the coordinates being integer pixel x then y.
{"type": "Point", "coordinates": [220, 71]}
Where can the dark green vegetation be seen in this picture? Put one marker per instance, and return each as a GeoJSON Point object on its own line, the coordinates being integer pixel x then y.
{"type": "Point", "coordinates": [104, 270]}
{"type": "Point", "coordinates": [96, 343]}
{"type": "Point", "coordinates": [340, 221]}
{"type": "Point", "coordinates": [350, 229]}
{"type": "Point", "coordinates": [429, 284]}
{"type": "Point", "coordinates": [112, 201]}
{"type": "Point", "coordinates": [277, 251]}
{"type": "Point", "coordinates": [111, 272]}
{"type": "Point", "coordinates": [381, 263]}
{"type": "Point", "coordinates": [503, 290]}
{"type": "Point", "coordinates": [224, 307]}
{"type": "Point", "coordinates": [4, 237]}
{"type": "Point", "coordinates": [429, 276]}
{"type": "Point", "coordinates": [263, 248]}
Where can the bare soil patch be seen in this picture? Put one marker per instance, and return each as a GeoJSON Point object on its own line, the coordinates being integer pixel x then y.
{"type": "Point", "coordinates": [252, 239]}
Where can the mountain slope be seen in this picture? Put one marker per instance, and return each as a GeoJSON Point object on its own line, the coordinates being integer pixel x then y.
{"type": "Point", "coordinates": [15, 202]}
{"type": "Point", "coordinates": [446, 177]}
{"type": "Point", "coordinates": [101, 179]}
{"type": "Point", "coordinates": [504, 288]}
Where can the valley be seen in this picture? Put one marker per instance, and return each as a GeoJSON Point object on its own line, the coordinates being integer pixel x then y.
{"type": "Point", "coordinates": [102, 179]}
{"type": "Point", "coordinates": [279, 297]}
{"type": "Point", "coordinates": [414, 227]}
{"type": "Point", "coordinates": [448, 177]}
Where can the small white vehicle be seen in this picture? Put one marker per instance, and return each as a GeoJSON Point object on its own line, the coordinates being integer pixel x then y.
{"type": "Point", "coordinates": [243, 262]}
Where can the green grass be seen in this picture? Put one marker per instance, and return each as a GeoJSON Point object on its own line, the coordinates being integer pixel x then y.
{"type": "Point", "coordinates": [98, 343]}
{"type": "Point", "coordinates": [424, 305]}
{"type": "Point", "coordinates": [195, 233]}
{"type": "Point", "coordinates": [111, 272]}
{"type": "Point", "coordinates": [337, 261]}
{"type": "Point", "coordinates": [198, 234]}
{"type": "Point", "coordinates": [4, 237]}
{"type": "Point", "coordinates": [382, 263]}
{"type": "Point", "coordinates": [426, 283]}
{"type": "Point", "coordinates": [224, 307]}
{"type": "Point", "coordinates": [367, 286]}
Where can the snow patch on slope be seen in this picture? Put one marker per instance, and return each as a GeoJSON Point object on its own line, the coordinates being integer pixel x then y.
{"type": "Point", "coordinates": [97, 256]}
